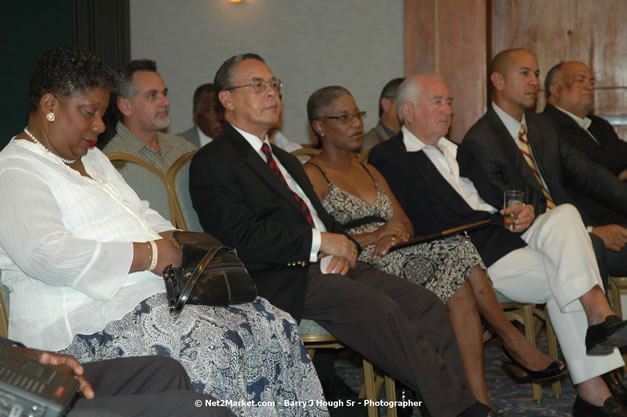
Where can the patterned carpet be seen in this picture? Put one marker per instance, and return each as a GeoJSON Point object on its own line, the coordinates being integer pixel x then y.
{"type": "Point", "coordinates": [516, 399]}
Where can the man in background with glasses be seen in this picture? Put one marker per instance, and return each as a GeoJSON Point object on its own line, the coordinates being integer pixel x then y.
{"type": "Point", "coordinates": [258, 199]}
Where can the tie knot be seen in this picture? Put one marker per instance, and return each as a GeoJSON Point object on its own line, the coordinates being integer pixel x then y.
{"type": "Point", "coordinates": [265, 148]}
{"type": "Point", "coordinates": [523, 131]}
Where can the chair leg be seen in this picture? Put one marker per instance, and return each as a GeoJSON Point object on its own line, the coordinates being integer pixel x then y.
{"type": "Point", "coordinates": [390, 394]}
{"type": "Point", "coordinates": [531, 337]}
{"type": "Point", "coordinates": [368, 372]}
{"type": "Point", "coordinates": [614, 296]}
{"type": "Point", "coordinates": [556, 386]}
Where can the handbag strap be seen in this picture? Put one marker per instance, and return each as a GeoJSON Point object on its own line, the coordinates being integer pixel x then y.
{"type": "Point", "coordinates": [204, 262]}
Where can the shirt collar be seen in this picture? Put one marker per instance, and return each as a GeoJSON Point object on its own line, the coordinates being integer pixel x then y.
{"type": "Point", "coordinates": [413, 144]}
{"type": "Point", "coordinates": [253, 140]}
{"type": "Point", "coordinates": [203, 138]}
{"type": "Point", "coordinates": [583, 123]}
{"type": "Point", "coordinates": [512, 125]}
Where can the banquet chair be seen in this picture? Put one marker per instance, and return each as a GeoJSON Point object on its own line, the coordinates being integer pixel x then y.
{"type": "Point", "coordinates": [177, 179]}
{"type": "Point", "coordinates": [316, 337]}
{"type": "Point", "coordinates": [534, 317]}
{"type": "Point", "coordinates": [4, 313]}
{"type": "Point", "coordinates": [616, 286]}
{"type": "Point", "coordinates": [147, 181]}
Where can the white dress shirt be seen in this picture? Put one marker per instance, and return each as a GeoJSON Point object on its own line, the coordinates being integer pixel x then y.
{"type": "Point", "coordinates": [316, 238]}
{"type": "Point", "coordinates": [66, 245]}
{"type": "Point", "coordinates": [204, 139]}
{"type": "Point", "coordinates": [513, 127]}
{"type": "Point", "coordinates": [583, 123]}
{"type": "Point", "coordinates": [443, 156]}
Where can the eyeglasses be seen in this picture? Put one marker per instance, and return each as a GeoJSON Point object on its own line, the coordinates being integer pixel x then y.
{"type": "Point", "coordinates": [259, 85]}
{"type": "Point", "coordinates": [347, 118]}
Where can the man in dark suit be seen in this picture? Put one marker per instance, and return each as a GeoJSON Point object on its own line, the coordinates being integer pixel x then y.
{"type": "Point", "coordinates": [127, 387]}
{"type": "Point", "coordinates": [570, 95]}
{"type": "Point", "coordinates": [259, 200]}
{"type": "Point", "coordinates": [525, 262]}
{"type": "Point", "coordinates": [494, 143]}
{"type": "Point", "coordinates": [569, 90]}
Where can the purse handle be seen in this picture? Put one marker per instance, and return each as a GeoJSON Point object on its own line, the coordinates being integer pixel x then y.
{"type": "Point", "coordinates": [204, 262]}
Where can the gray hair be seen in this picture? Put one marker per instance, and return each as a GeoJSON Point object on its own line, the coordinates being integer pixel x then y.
{"type": "Point", "coordinates": [409, 90]}
{"type": "Point", "coordinates": [551, 79]}
{"type": "Point", "coordinates": [127, 88]}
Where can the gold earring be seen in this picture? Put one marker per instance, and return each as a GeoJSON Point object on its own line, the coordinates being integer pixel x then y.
{"type": "Point", "coordinates": [50, 116]}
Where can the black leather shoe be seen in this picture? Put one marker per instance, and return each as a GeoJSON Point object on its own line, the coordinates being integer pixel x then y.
{"type": "Point", "coordinates": [614, 383]}
{"type": "Point", "coordinates": [553, 371]}
{"type": "Point", "coordinates": [603, 337]}
{"type": "Point", "coordinates": [611, 408]}
{"type": "Point", "coordinates": [478, 409]}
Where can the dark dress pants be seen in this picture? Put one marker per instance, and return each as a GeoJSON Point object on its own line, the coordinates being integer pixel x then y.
{"type": "Point", "coordinates": [148, 386]}
{"type": "Point", "coordinates": [401, 327]}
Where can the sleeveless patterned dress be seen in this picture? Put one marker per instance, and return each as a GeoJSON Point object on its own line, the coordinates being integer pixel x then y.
{"type": "Point", "coordinates": [442, 265]}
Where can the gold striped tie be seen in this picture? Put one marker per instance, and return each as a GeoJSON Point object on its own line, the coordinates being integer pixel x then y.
{"type": "Point", "coordinates": [523, 144]}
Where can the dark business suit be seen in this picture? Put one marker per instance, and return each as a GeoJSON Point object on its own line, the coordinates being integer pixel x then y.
{"type": "Point", "coordinates": [608, 149]}
{"type": "Point", "coordinates": [400, 326]}
{"type": "Point", "coordinates": [433, 205]}
{"type": "Point", "coordinates": [489, 144]}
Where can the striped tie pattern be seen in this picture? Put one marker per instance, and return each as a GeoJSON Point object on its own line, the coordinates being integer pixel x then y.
{"type": "Point", "coordinates": [523, 144]}
{"type": "Point", "coordinates": [275, 168]}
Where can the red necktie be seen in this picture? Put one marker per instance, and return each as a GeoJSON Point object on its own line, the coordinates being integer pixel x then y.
{"type": "Point", "coordinates": [275, 168]}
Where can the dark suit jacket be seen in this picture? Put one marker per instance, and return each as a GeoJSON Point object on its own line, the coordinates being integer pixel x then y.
{"type": "Point", "coordinates": [489, 144]}
{"type": "Point", "coordinates": [433, 205]}
{"type": "Point", "coordinates": [242, 202]}
{"type": "Point", "coordinates": [610, 151]}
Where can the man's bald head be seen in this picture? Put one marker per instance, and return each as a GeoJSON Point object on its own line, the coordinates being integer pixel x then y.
{"type": "Point", "coordinates": [570, 86]}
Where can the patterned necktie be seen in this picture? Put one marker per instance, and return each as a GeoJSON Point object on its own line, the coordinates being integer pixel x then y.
{"type": "Point", "coordinates": [275, 168]}
{"type": "Point", "coordinates": [523, 144]}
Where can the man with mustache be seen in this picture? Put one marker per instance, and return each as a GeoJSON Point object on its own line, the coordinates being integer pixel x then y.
{"type": "Point", "coordinates": [495, 143]}
{"type": "Point", "coordinates": [255, 197]}
{"type": "Point", "coordinates": [145, 112]}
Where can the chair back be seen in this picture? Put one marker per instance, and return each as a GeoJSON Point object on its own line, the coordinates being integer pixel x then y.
{"type": "Point", "coordinates": [178, 182]}
{"type": "Point", "coordinates": [147, 181]}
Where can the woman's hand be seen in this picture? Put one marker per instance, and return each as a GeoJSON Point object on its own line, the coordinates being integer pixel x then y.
{"type": "Point", "coordinates": [169, 253]}
{"type": "Point", "coordinates": [393, 228]}
{"type": "Point", "coordinates": [384, 244]}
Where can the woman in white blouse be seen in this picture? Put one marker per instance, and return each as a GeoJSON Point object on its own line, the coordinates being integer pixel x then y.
{"type": "Point", "coordinates": [81, 255]}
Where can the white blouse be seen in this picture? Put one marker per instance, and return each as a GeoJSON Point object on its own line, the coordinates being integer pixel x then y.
{"type": "Point", "coordinates": [66, 245]}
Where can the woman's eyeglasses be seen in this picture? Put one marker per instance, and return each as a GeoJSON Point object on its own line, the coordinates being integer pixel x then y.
{"type": "Point", "coordinates": [347, 118]}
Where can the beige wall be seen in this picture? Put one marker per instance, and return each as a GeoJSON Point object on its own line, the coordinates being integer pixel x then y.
{"type": "Point", "coordinates": [307, 43]}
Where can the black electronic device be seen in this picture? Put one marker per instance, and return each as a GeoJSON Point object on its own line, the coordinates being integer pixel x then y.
{"type": "Point", "coordinates": [30, 389]}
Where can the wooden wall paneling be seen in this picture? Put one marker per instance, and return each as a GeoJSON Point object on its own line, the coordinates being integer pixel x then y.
{"type": "Point", "coordinates": [448, 38]}
{"type": "Point", "coordinates": [564, 30]}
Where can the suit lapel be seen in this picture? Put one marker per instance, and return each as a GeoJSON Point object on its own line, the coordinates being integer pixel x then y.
{"type": "Point", "coordinates": [443, 191]}
{"type": "Point", "coordinates": [261, 168]}
{"type": "Point", "coordinates": [534, 135]}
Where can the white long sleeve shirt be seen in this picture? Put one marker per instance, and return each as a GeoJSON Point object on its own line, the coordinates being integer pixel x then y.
{"type": "Point", "coordinates": [66, 245]}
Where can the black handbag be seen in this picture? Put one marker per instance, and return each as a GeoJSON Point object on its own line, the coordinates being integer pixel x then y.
{"type": "Point", "coordinates": [211, 274]}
